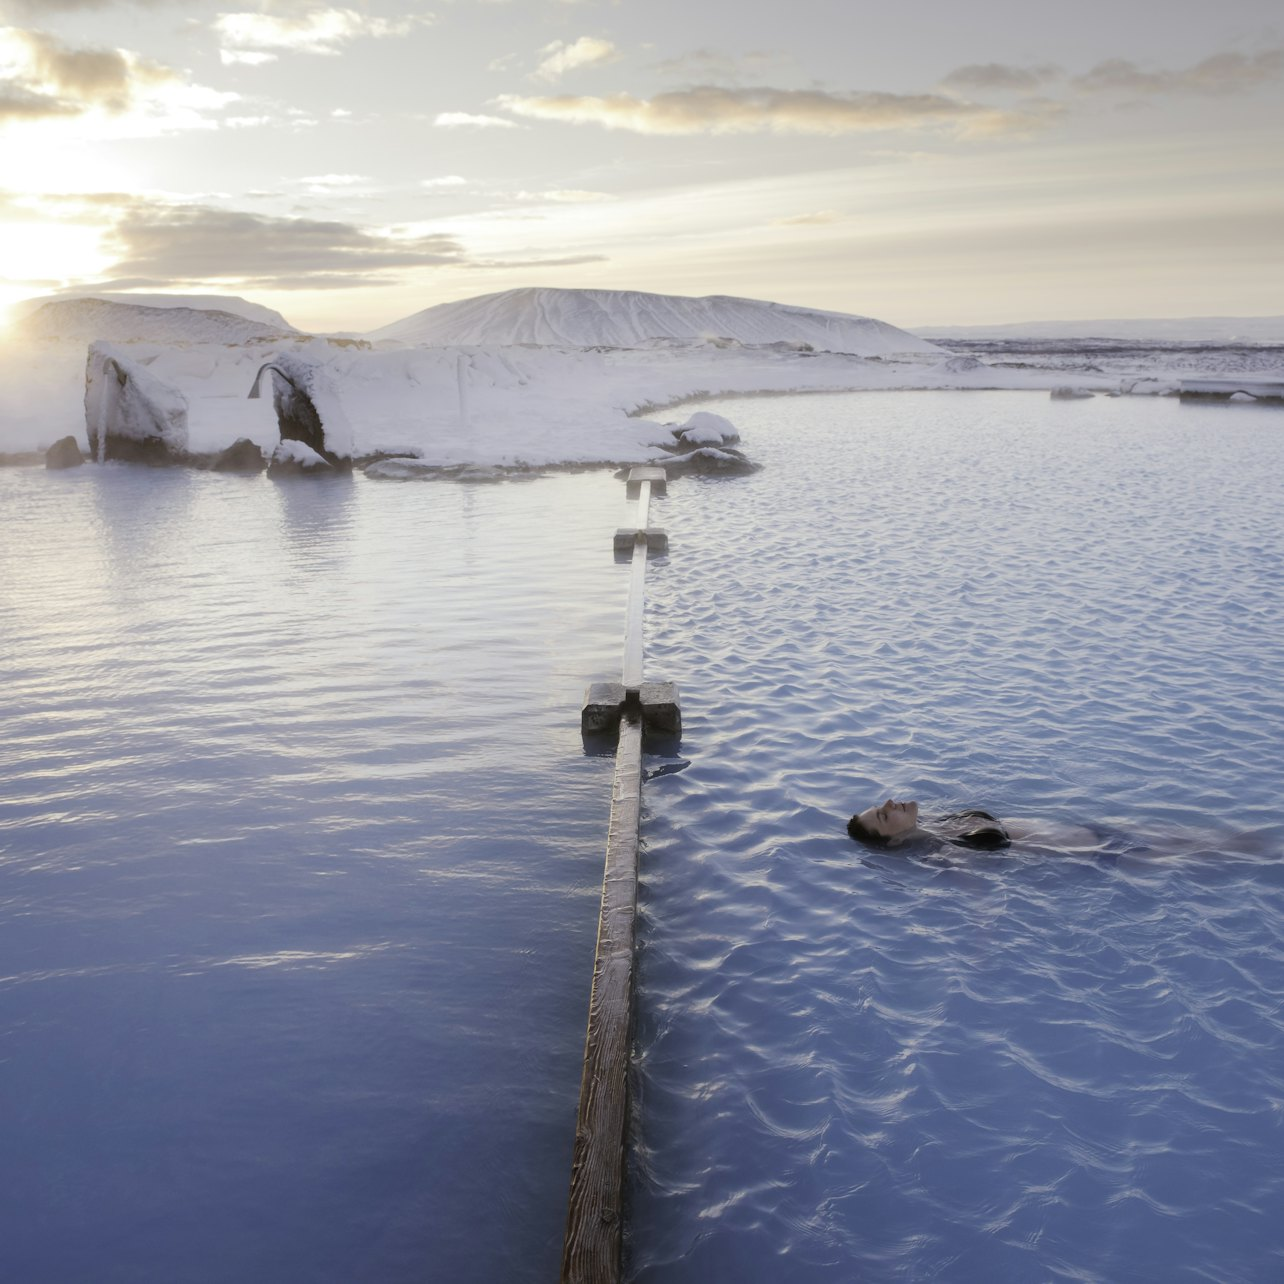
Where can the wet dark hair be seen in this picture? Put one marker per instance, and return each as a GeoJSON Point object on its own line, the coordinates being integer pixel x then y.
{"type": "Point", "coordinates": [978, 830]}
{"type": "Point", "coordinates": [863, 834]}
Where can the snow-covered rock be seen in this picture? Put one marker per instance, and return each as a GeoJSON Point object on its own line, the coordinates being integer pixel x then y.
{"type": "Point", "coordinates": [84, 320]}
{"type": "Point", "coordinates": [704, 428]}
{"type": "Point", "coordinates": [309, 407]}
{"type": "Point", "coordinates": [1067, 393]}
{"type": "Point", "coordinates": [130, 414]}
{"type": "Point", "coordinates": [293, 457]}
{"type": "Point", "coordinates": [632, 318]}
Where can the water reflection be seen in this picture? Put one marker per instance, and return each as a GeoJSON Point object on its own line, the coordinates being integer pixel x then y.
{"type": "Point", "coordinates": [315, 521]}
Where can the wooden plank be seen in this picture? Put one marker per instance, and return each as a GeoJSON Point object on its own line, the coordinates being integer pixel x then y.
{"type": "Point", "coordinates": [632, 677]}
{"type": "Point", "coordinates": [593, 1248]}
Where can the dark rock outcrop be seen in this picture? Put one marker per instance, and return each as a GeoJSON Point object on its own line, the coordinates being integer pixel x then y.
{"type": "Point", "coordinates": [709, 460]}
{"type": "Point", "coordinates": [64, 453]}
{"type": "Point", "coordinates": [242, 456]}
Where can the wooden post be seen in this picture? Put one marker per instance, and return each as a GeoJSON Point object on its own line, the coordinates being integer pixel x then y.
{"type": "Point", "coordinates": [592, 1252]}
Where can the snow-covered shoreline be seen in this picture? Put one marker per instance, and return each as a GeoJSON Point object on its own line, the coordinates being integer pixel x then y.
{"type": "Point", "coordinates": [504, 405]}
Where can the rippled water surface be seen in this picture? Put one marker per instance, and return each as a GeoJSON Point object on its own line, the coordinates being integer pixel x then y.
{"type": "Point", "coordinates": [299, 866]}
{"type": "Point", "coordinates": [1021, 1066]}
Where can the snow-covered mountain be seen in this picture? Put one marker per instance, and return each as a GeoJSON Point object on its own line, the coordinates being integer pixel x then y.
{"type": "Point", "coordinates": [631, 318]}
{"type": "Point", "coordinates": [193, 321]}
{"type": "Point", "coordinates": [232, 303]}
{"type": "Point", "coordinates": [1170, 329]}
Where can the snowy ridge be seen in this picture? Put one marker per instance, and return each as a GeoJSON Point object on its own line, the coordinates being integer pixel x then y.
{"type": "Point", "coordinates": [232, 303]}
{"type": "Point", "coordinates": [1172, 329]}
{"type": "Point", "coordinates": [85, 320]}
{"type": "Point", "coordinates": [631, 318]}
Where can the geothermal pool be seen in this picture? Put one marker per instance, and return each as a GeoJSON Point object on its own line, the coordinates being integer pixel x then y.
{"type": "Point", "coordinates": [1015, 1066]}
{"type": "Point", "coordinates": [300, 856]}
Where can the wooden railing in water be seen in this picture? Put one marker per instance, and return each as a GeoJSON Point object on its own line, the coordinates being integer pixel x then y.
{"type": "Point", "coordinates": [592, 1251]}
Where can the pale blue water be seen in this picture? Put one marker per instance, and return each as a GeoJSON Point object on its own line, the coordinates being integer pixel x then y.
{"type": "Point", "coordinates": [1008, 1067]}
{"type": "Point", "coordinates": [300, 857]}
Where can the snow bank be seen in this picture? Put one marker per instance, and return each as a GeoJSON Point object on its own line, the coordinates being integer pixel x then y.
{"type": "Point", "coordinates": [630, 318]}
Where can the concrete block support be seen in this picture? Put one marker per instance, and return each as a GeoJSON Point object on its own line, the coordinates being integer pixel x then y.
{"type": "Point", "coordinates": [656, 539]}
{"type": "Point", "coordinates": [603, 704]}
{"type": "Point", "coordinates": [646, 473]}
{"type": "Point", "coordinates": [661, 711]}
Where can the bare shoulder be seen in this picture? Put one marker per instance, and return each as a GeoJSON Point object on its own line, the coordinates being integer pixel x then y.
{"type": "Point", "coordinates": [1051, 833]}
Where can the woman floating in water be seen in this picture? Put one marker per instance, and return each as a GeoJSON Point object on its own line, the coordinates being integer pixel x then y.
{"type": "Point", "coordinates": [893, 824]}
{"type": "Point", "coordinates": [896, 824]}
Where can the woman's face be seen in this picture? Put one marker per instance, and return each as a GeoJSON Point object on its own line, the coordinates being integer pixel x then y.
{"type": "Point", "coordinates": [891, 820]}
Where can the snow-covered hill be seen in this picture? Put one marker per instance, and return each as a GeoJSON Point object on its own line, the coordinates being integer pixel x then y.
{"type": "Point", "coordinates": [1164, 329]}
{"type": "Point", "coordinates": [87, 319]}
{"type": "Point", "coordinates": [232, 303]}
{"type": "Point", "coordinates": [631, 318]}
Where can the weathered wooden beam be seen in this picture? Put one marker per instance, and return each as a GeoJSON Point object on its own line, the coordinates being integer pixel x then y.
{"type": "Point", "coordinates": [634, 614]}
{"type": "Point", "coordinates": [593, 1249]}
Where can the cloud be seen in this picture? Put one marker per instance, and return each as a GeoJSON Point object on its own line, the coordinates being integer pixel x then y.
{"type": "Point", "coordinates": [321, 31]}
{"type": "Point", "coordinates": [709, 109]}
{"type": "Point", "coordinates": [52, 78]}
{"type": "Point", "coordinates": [587, 51]}
{"type": "Point", "coordinates": [464, 119]}
{"type": "Point", "coordinates": [446, 180]}
{"type": "Point", "coordinates": [705, 64]}
{"type": "Point", "coordinates": [1224, 73]}
{"type": "Point", "coordinates": [572, 261]}
{"type": "Point", "coordinates": [43, 8]}
{"type": "Point", "coordinates": [996, 76]}
{"type": "Point", "coordinates": [245, 57]}
{"type": "Point", "coordinates": [565, 196]}
{"type": "Point", "coordinates": [19, 103]}
{"type": "Point", "coordinates": [194, 243]}
{"type": "Point", "coordinates": [815, 218]}
{"type": "Point", "coordinates": [334, 180]}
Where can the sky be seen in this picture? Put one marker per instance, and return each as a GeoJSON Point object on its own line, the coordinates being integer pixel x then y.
{"type": "Point", "coordinates": [931, 163]}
